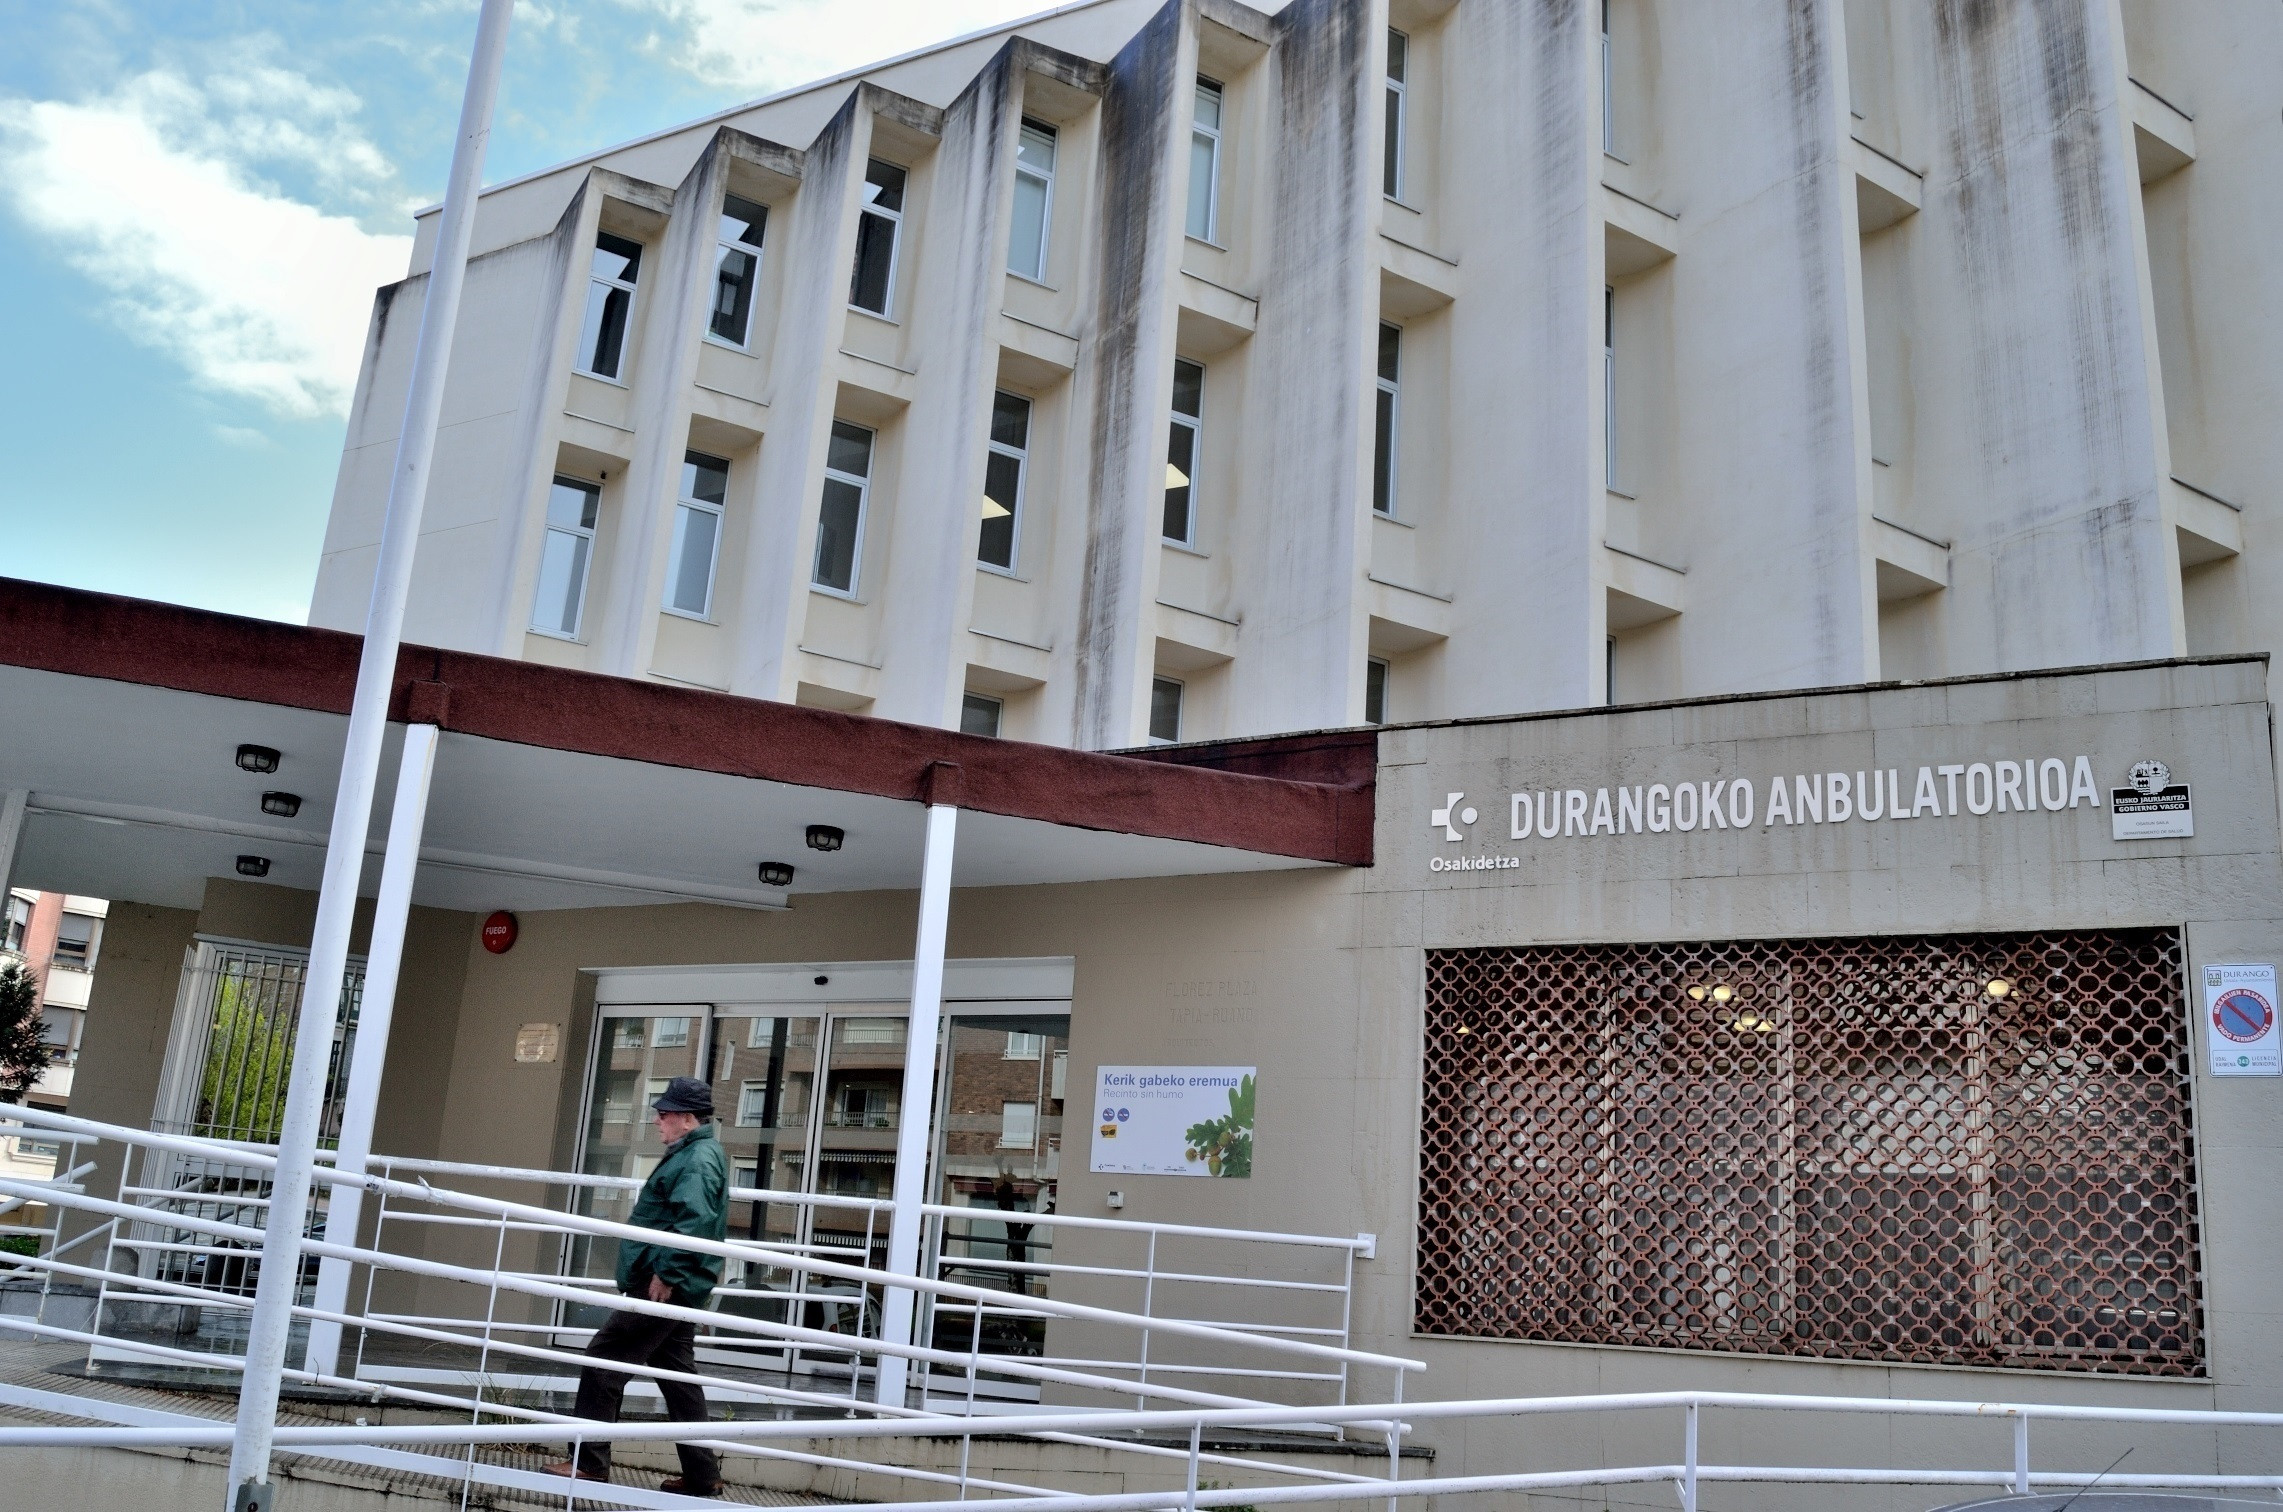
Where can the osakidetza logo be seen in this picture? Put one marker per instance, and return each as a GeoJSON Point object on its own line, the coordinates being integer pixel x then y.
{"type": "Point", "coordinates": [1446, 820]}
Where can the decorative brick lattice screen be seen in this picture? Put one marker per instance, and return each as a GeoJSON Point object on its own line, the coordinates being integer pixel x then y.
{"type": "Point", "coordinates": [1967, 1149]}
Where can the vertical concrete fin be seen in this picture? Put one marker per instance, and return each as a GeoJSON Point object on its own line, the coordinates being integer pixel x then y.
{"type": "Point", "coordinates": [817, 247]}
{"type": "Point", "coordinates": [928, 589]}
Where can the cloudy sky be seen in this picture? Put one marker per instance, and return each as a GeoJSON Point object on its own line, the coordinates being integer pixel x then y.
{"type": "Point", "coordinates": [198, 199]}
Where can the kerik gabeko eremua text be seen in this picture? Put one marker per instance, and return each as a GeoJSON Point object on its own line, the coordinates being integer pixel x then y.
{"type": "Point", "coordinates": [1812, 798]}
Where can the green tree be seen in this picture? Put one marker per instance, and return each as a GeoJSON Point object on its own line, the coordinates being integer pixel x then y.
{"type": "Point", "coordinates": [24, 1050]}
{"type": "Point", "coordinates": [248, 1062]}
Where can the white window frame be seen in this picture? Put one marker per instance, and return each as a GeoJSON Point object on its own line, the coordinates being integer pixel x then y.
{"type": "Point", "coordinates": [1399, 116]}
{"type": "Point", "coordinates": [684, 501]}
{"type": "Point", "coordinates": [1380, 665]}
{"type": "Point", "coordinates": [1212, 232]}
{"type": "Point", "coordinates": [1007, 1121]}
{"type": "Point", "coordinates": [1393, 389]}
{"type": "Point", "coordinates": [587, 566]}
{"type": "Point", "coordinates": [895, 220]}
{"type": "Point", "coordinates": [723, 245]}
{"type": "Point", "coordinates": [863, 514]}
{"type": "Point", "coordinates": [998, 710]}
{"type": "Point", "coordinates": [1046, 212]}
{"type": "Point", "coordinates": [1180, 707]}
{"type": "Point", "coordinates": [1022, 459]}
{"type": "Point", "coordinates": [1195, 425]}
{"type": "Point", "coordinates": [1609, 386]}
{"type": "Point", "coordinates": [633, 296]}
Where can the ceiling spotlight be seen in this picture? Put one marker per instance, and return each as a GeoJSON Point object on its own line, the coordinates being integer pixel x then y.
{"type": "Point", "coordinates": [1754, 1023]}
{"type": "Point", "coordinates": [1999, 987]}
{"type": "Point", "coordinates": [253, 866]}
{"type": "Point", "coordinates": [1723, 993]}
{"type": "Point", "coordinates": [1696, 994]}
{"type": "Point", "coordinates": [826, 837]}
{"type": "Point", "coordinates": [776, 874]}
{"type": "Point", "coordinates": [254, 758]}
{"type": "Point", "coordinates": [284, 805]}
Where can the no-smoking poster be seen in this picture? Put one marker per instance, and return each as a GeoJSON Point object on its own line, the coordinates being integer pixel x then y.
{"type": "Point", "coordinates": [2239, 1021]}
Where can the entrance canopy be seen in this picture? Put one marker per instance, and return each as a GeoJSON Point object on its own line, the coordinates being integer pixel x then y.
{"type": "Point", "coordinates": [555, 788]}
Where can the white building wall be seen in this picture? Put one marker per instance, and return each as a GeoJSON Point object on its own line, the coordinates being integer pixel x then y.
{"type": "Point", "coordinates": [1944, 341]}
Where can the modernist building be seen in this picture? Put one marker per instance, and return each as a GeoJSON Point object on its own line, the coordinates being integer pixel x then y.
{"type": "Point", "coordinates": [1186, 370]}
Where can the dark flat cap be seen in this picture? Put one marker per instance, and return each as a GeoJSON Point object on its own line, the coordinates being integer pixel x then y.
{"type": "Point", "coordinates": [685, 1094]}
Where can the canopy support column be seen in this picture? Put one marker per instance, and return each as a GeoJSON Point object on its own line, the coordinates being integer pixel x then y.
{"type": "Point", "coordinates": [384, 962]}
{"type": "Point", "coordinates": [270, 1326]}
{"type": "Point", "coordinates": [916, 1119]}
{"type": "Point", "coordinates": [12, 807]}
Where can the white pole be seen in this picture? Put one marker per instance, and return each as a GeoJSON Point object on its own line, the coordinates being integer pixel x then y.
{"type": "Point", "coordinates": [271, 1324]}
{"type": "Point", "coordinates": [384, 961]}
{"type": "Point", "coordinates": [917, 1115]}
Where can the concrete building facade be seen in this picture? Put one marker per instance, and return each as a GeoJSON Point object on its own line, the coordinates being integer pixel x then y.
{"type": "Point", "coordinates": [1188, 371]}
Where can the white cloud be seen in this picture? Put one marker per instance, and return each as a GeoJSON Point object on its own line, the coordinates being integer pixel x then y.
{"type": "Point", "coordinates": [157, 194]}
{"type": "Point", "coordinates": [766, 45]}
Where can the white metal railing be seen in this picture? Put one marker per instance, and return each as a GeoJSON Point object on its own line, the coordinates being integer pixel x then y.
{"type": "Point", "coordinates": [801, 1414]}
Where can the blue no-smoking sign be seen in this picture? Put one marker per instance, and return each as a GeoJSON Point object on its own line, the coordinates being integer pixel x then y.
{"type": "Point", "coordinates": [2239, 1020]}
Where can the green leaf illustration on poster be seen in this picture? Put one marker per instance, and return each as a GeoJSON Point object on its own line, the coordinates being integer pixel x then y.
{"type": "Point", "coordinates": [1225, 1144]}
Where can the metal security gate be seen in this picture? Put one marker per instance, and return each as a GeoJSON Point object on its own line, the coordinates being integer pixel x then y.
{"type": "Point", "coordinates": [1965, 1149]}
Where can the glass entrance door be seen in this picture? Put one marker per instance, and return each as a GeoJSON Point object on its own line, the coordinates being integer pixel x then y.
{"type": "Point", "coordinates": [637, 1051]}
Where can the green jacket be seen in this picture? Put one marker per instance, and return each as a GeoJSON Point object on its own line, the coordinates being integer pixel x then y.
{"type": "Point", "coordinates": [687, 1194]}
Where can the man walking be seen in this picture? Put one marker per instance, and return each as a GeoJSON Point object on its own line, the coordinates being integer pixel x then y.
{"type": "Point", "coordinates": [687, 1194]}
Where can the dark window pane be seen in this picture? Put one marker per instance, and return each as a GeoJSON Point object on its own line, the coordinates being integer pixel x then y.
{"type": "Point", "coordinates": [837, 524]}
{"type": "Point", "coordinates": [1390, 352]}
{"type": "Point", "coordinates": [616, 257]}
{"type": "Point", "coordinates": [851, 450]}
{"type": "Point", "coordinates": [1398, 55]}
{"type": "Point", "coordinates": [1164, 709]}
{"type": "Point", "coordinates": [732, 294]}
{"type": "Point", "coordinates": [883, 185]}
{"type": "Point", "coordinates": [704, 477]}
{"type": "Point", "coordinates": [1383, 456]}
{"type": "Point", "coordinates": [1188, 388]}
{"type": "Point", "coordinates": [1011, 421]}
{"type": "Point", "coordinates": [875, 261]}
{"type": "Point", "coordinates": [1391, 171]}
{"type": "Point", "coordinates": [1375, 692]}
{"type": "Point", "coordinates": [1002, 491]}
{"type": "Point", "coordinates": [1180, 458]}
{"type": "Point", "coordinates": [571, 502]}
{"type": "Point", "coordinates": [605, 331]}
{"type": "Point", "coordinates": [743, 221]}
{"type": "Point", "coordinates": [979, 715]}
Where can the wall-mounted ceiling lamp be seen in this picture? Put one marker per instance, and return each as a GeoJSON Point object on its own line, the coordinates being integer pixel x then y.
{"type": "Point", "coordinates": [253, 866]}
{"type": "Point", "coordinates": [256, 758]}
{"type": "Point", "coordinates": [1999, 987]}
{"type": "Point", "coordinates": [826, 837]}
{"type": "Point", "coordinates": [1754, 1023]}
{"type": "Point", "coordinates": [776, 874]}
{"type": "Point", "coordinates": [1719, 992]}
{"type": "Point", "coordinates": [283, 805]}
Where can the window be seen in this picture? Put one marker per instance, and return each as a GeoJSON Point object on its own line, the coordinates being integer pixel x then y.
{"type": "Point", "coordinates": [979, 714]}
{"type": "Point", "coordinates": [610, 301]}
{"type": "Point", "coordinates": [75, 941]}
{"type": "Point", "coordinates": [1003, 481]}
{"type": "Point", "coordinates": [1398, 64]}
{"type": "Point", "coordinates": [873, 287]}
{"type": "Point", "coordinates": [1181, 449]}
{"type": "Point", "coordinates": [1164, 711]}
{"type": "Point", "coordinates": [1025, 1047]}
{"type": "Point", "coordinates": [1967, 1150]}
{"type": "Point", "coordinates": [1034, 200]}
{"type": "Point", "coordinates": [1608, 131]}
{"type": "Point", "coordinates": [1375, 691]}
{"type": "Point", "coordinates": [1609, 386]}
{"type": "Point", "coordinates": [1205, 162]}
{"type": "Point", "coordinates": [752, 1103]}
{"type": "Point", "coordinates": [1384, 432]}
{"type": "Point", "coordinates": [563, 560]}
{"type": "Point", "coordinates": [865, 1105]}
{"type": "Point", "coordinates": [840, 520]}
{"type": "Point", "coordinates": [697, 535]}
{"type": "Point", "coordinates": [1609, 672]}
{"type": "Point", "coordinates": [671, 1032]}
{"type": "Point", "coordinates": [737, 267]}
{"type": "Point", "coordinates": [1018, 1125]}
{"type": "Point", "coordinates": [629, 1035]}
{"type": "Point", "coordinates": [14, 921]}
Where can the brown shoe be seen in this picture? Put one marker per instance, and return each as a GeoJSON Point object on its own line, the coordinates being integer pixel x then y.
{"type": "Point", "coordinates": [571, 1469]}
{"type": "Point", "coordinates": [675, 1485]}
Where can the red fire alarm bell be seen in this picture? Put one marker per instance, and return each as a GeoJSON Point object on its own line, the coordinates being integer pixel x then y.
{"type": "Point", "coordinates": [499, 933]}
